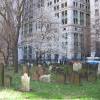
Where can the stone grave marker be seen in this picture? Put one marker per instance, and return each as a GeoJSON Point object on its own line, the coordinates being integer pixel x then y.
{"type": "Point", "coordinates": [98, 72]}
{"type": "Point", "coordinates": [77, 66]}
{"type": "Point", "coordinates": [25, 81]}
{"type": "Point", "coordinates": [7, 81]}
{"type": "Point", "coordinates": [92, 72]}
{"type": "Point", "coordinates": [39, 71]}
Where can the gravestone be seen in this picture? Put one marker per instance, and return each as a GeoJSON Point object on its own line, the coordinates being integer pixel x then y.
{"type": "Point", "coordinates": [7, 81]}
{"type": "Point", "coordinates": [40, 70]}
{"type": "Point", "coordinates": [69, 76]}
{"type": "Point", "coordinates": [92, 72]}
{"type": "Point", "coordinates": [84, 72]}
{"type": "Point", "coordinates": [35, 76]}
{"type": "Point", "coordinates": [98, 72]}
{"type": "Point", "coordinates": [77, 66]}
{"type": "Point", "coordinates": [25, 81]}
{"type": "Point", "coordinates": [2, 74]}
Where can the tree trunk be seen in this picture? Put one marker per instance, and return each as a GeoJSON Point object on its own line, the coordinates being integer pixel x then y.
{"type": "Point", "coordinates": [15, 59]}
{"type": "Point", "coordinates": [15, 52]}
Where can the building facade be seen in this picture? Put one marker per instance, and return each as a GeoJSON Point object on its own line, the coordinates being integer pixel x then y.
{"type": "Point", "coordinates": [95, 27]}
{"type": "Point", "coordinates": [73, 17]}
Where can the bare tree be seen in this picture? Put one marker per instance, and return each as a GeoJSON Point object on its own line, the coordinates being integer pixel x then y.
{"type": "Point", "coordinates": [46, 30]}
{"type": "Point", "coordinates": [5, 43]}
{"type": "Point", "coordinates": [13, 9]}
{"type": "Point", "coordinates": [46, 38]}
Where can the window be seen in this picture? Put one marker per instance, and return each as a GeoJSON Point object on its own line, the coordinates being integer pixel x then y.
{"type": "Point", "coordinates": [65, 12]}
{"type": "Point", "coordinates": [64, 17]}
{"type": "Point", "coordinates": [81, 18]}
{"type": "Point", "coordinates": [57, 0]}
{"type": "Point", "coordinates": [58, 7]}
{"type": "Point", "coordinates": [75, 20]}
{"type": "Point", "coordinates": [30, 28]}
{"type": "Point", "coordinates": [55, 8]}
{"type": "Point", "coordinates": [62, 13]}
{"type": "Point", "coordinates": [75, 13]}
{"type": "Point", "coordinates": [96, 0]}
{"type": "Point", "coordinates": [62, 5]}
{"type": "Point", "coordinates": [96, 12]}
{"type": "Point", "coordinates": [57, 15]}
{"type": "Point", "coordinates": [54, 1]}
{"type": "Point", "coordinates": [64, 21]}
{"type": "Point", "coordinates": [50, 3]}
{"type": "Point", "coordinates": [75, 4]}
{"type": "Point", "coordinates": [65, 4]}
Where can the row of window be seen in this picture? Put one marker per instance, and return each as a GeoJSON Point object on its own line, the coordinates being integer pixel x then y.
{"type": "Point", "coordinates": [81, 6]}
{"type": "Point", "coordinates": [96, 12]}
{"type": "Point", "coordinates": [75, 4]}
{"type": "Point", "coordinates": [87, 1]}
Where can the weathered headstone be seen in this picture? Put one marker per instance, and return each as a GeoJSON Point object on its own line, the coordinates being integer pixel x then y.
{"type": "Point", "coordinates": [92, 72]}
{"type": "Point", "coordinates": [35, 76]}
{"type": "Point", "coordinates": [7, 81]}
{"type": "Point", "coordinates": [98, 73]}
{"type": "Point", "coordinates": [84, 72]}
{"type": "Point", "coordinates": [40, 70]}
{"type": "Point", "coordinates": [1, 74]}
{"type": "Point", "coordinates": [25, 80]}
{"type": "Point", "coordinates": [77, 66]}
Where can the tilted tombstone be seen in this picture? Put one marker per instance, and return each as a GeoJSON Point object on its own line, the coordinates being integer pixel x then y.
{"type": "Point", "coordinates": [2, 74]}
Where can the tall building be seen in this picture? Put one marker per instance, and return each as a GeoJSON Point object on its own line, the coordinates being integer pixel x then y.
{"type": "Point", "coordinates": [95, 27]}
{"type": "Point", "coordinates": [73, 17]}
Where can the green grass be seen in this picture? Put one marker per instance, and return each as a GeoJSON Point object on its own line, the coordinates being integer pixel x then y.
{"type": "Point", "coordinates": [87, 91]}
{"type": "Point", "coordinates": [45, 91]}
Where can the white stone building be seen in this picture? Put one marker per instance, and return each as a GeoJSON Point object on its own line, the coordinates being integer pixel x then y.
{"type": "Point", "coordinates": [95, 27]}
{"type": "Point", "coordinates": [73, 17]}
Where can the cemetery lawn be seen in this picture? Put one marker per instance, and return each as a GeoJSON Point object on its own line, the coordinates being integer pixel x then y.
{"type": "Point", "coordinates": [45, 91]}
